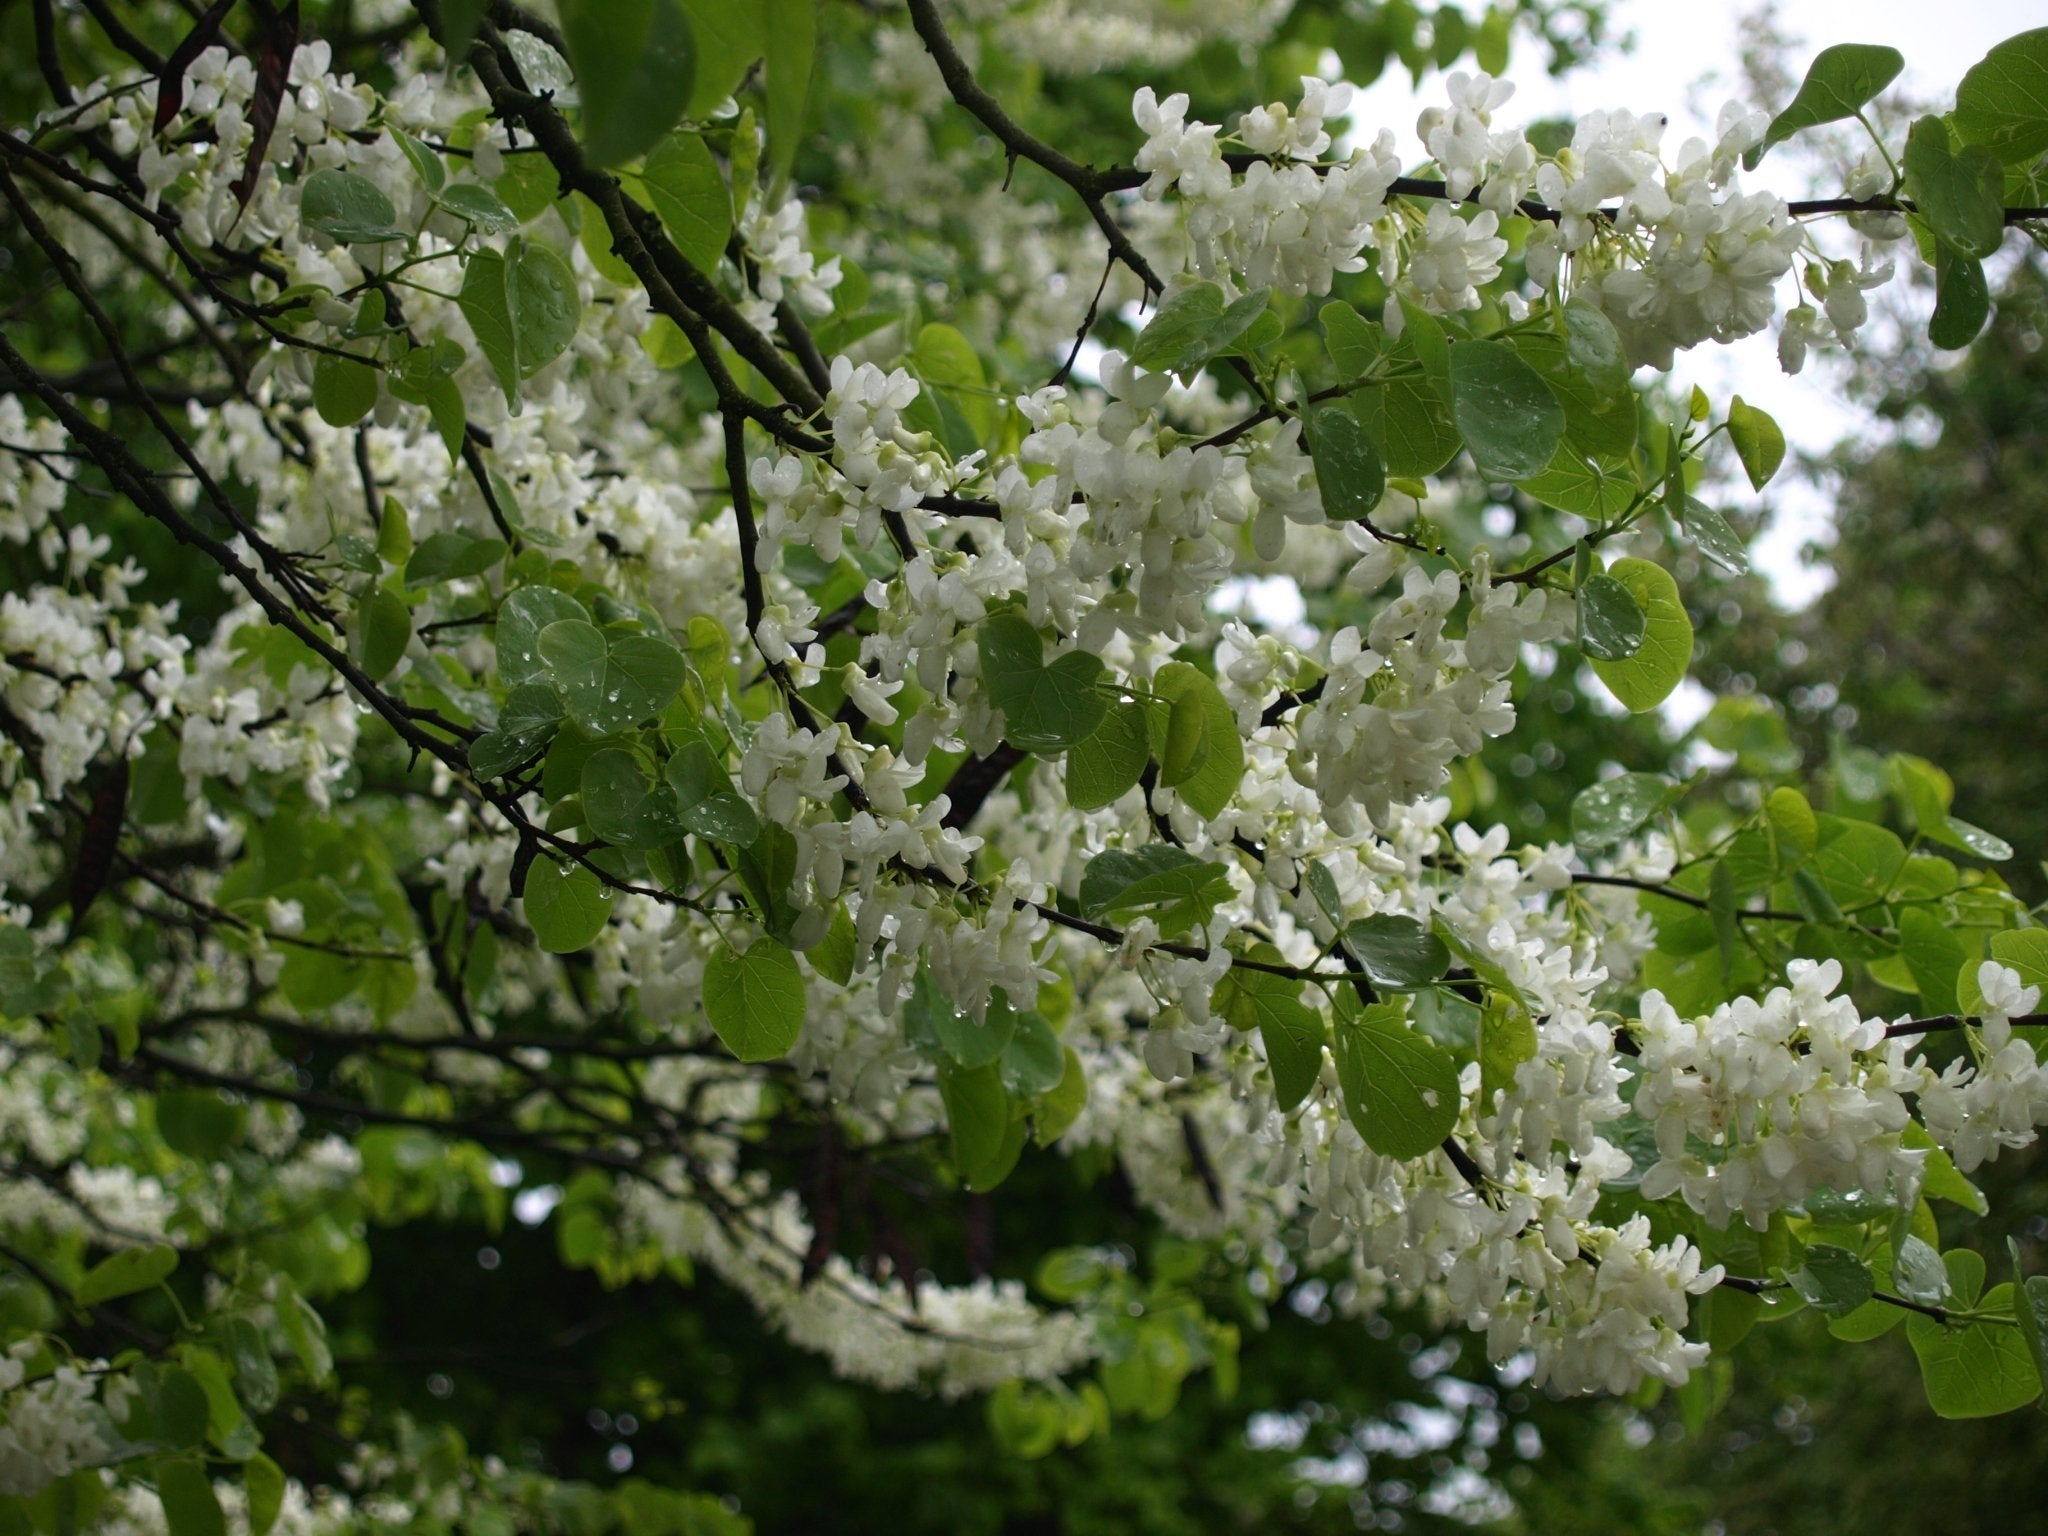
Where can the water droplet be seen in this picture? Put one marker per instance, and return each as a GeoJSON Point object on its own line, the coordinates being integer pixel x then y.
{"type": "Point", "coordinates": [526, 655]}
{"type": "Point", "coordinates": [612, 697]}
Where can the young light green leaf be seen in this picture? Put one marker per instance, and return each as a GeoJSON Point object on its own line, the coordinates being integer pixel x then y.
{"type": "Point", "coordinates": [1838, 82]}
{"type": "Point", "coordinates": [1103, 767]}
{"type": "Point", "coordinates": [636, 65]}
{"type": "Point", "coordinates": [1396, 951]}
{"type": "Point", "coordinates": [565, 907]}
{"type": "Point", "coordinates": [2002, 102]}
{"type": "Point", "coordinates": [1611, 622]}
{"type": "Point", "coordinates": [755, 999]}
{"type": "Point", "coordinates": [1759, 443]}
{"type": "Point", "coordinates": [384, 628]}
{"type": "Point", "coordinates": [1349, 470]}
{"type": "Point", "coordinates": [1960, 193]}
{"type": "Point", "coordinates": [1507, 414]}
{"type": "Point", "coordinates": [1507, 1038]}
{"type": "Point", "coordinates": [1210, 790]}
{"type": "Point", "coordinates": [124, 1273]}
{"type": "Point", "coordinates": [1400, 1087]}
{"type": "Point", "coordinates": [1644, 680]}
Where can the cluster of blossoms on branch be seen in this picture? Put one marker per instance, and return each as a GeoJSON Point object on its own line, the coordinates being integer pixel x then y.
{"type": "Point", "coordinates": [580, 601]}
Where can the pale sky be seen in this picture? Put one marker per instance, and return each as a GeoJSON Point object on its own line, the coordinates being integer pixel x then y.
{"type": "Point", "coordinates": [1685, 59]}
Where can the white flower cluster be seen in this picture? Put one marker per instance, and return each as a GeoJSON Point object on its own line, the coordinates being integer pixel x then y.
{"type": "Point", "coordinates": [1973, 1109]}
{"type": "Point", "coordinates": [1763, 1102]}
{"type": "Point", "coordinates": [52, 1426]}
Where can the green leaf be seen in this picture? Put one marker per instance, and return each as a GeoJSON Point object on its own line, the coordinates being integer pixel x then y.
{"type": "Point", "coordinates": [198, 1122]}
{"type": "Point", "coordinates": [1193, 324]}
{"type": "Point", "coordinates": [1176, 889]}
{"type": "Point", "coordinates": [529, 720]}
{"type": "Point", "coordinates": [608, 682]}
{"type": "Point", "coordinates": [1045, 709]}
{"type": "Point", "coordinates": [1406, 414]}
{"type": "Point", "coordinates": [945, 359]}
{"type": "Point", "coordinates": [1034, 1061]}
{"type": "Point", "coordinates": [835, 955]}
{"type": "Point", "coordinates": [1400, 1087]}
{"type": "Point", "coordinates": [522, 308]}
{"type": "Point", "coordinates": [263, 1478]}
{"type": "Point", "coordinates": [451, 557]}
{"type": "Point", "coordinates": [1961, 194]}
{"type": "Point", "coordinates": [1214, 784]}
{"type": "Point", "coordinates": [480, 207]}
{"type": "Point", "coordinates": [190, 1508]}
{"type": "Point", "coordinates": [1103, 767]}
{"type": "Point", "coordinates": [690, 197]}
{"type": "Point", "coordinates": [2030, 1309]}
{"type": "Point", "coordinates": [124, 1273]}
{"type": "Point", "coordinates": [1838, 82]}
{"type": "Point", "coordinates": [1599, 422]}
{"type": "Point", "coordinates": [1975, 1370]}
{"type": "Point", "coordinates": [1396, 951]}
{"type": "Point", "coordinates": [1759, 443]}
{"type": "Point", "coordinates": [755, 999]}
{"type": "Point", "coordinates": [1856, 861]}
{"type": "Point", "coordinates": [636, 66]}
{"type": "Point", "coordinates": [344, 389]}
{"type": "Point", "coordinates": [1957, 833]}
{"type": "Point", "coordinates": [728, 39]}
{"type": "Point", "coordinates": [1291, 1030]}
{"type": "Point", "coordinates": [791, 27]}
{"type": "Point", "coordinates": [1645, 680]}
{"type": "Point", "coordinates": [968, 1042]}
{"type": "Point", "coordinates": [2002, 102]}
{"type": "Point", "coordinates": [1186, 745]}
{"type": "Point", "coordinates": [1962, 300]}
{"type": "Point", "coordinates": [621, 806]}
{"type": "Point", "coordinates": [1604, 814]}
{"type": "Point", "coordinates": [1507, 1038]}
{"type": "Point", "coordinates": [348, 208]}
{"type": "Point", "coordinates": [1611, 622]}
{"type": "Point", "coordinates": [565, 908]}
{"type": "Point", "coordinates": [1832, 1280]}
{"type": "Point", "coordinates": [1349, 470]}
{"type": "Point", "coordinates": [459, 20]}
{"type": "Point", "coordinates": [1918, 1273]}
{"type": "Point", "coordinates": [426, 376]}
{"type": "Point", "coordinates": [1507, 414]}
{"type": "Point", "coordinates": [182, 1408]}
{"type": "Point", "coordinates": [1792, 820]}
{"type": "Point", "coordinates": [1716, 540]}
{"type": "Point", "coordinates": [1594, 347]}
{"type": "Point", "coordinates": [986, 1138]}
{"type": "Point", "coordinates": [384, 625]}
{"type": "Point", "coordinates": [1933, 954]}
{"type": "Point", "coordinates": [521, 618]}
{"type": "Point", "coordinates": [711, 807]}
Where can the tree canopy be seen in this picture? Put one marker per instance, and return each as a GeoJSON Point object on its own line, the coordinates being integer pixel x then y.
{"type": "Point", "coordinates": [758, 769]}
